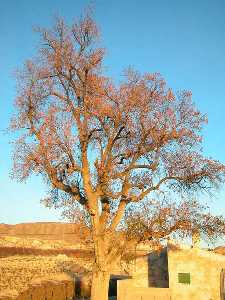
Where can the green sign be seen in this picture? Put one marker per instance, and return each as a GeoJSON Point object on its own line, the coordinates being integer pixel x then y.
{"type": "Point", "coordinates": [184, 278]}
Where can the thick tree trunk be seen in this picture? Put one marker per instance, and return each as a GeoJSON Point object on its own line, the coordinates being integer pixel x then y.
{"type": "Point", "coordinates": [100, 285]}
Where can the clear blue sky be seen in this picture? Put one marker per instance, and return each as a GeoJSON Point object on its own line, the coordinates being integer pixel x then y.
{"type": "Point", "coordinates": [184, 40]}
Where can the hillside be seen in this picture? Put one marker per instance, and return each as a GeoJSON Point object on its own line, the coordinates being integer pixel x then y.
{"type": "Point", "coordinates": [67, 232]}
{"type": "Point", "coordinates": [44, 239]}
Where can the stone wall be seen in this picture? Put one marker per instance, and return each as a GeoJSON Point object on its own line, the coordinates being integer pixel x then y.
{"type": "Point", "coordinates": [45, 290]}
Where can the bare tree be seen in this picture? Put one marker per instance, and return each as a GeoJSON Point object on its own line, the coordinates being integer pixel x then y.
{"type": "Point", "coordinates": [102, 145]}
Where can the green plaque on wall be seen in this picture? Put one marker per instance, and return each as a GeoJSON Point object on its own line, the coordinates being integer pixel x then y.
{"type": "Point", "coordinates": [184, 278]}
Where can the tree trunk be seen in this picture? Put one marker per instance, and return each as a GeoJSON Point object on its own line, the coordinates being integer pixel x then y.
{"type": "Point", "coordinates": [100, 285]}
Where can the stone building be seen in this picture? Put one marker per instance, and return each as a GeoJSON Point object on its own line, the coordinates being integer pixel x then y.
{"type": "Point", "coordinates": [175, 273]}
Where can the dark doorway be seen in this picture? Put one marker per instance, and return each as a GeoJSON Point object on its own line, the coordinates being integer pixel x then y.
{"type": "Point", "coordinates": [112, 287]}
{"type": "Point", "coordinates": [113, 284]}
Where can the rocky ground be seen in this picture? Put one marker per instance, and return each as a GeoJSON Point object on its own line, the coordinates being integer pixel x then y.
{"type": "Point", "coordinates": [17, 272]}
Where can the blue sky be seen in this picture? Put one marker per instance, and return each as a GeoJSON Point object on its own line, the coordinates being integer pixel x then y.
{"type": "Point", "coordinates": [183, 40]}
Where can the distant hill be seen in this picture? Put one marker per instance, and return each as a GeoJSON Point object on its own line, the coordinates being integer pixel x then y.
{"type": "Point", "coordinates": [4, 228]}
{"type": "Point", "coordinates": [46, 230]}
{"type": "Point", "coordinates": [220, 250]}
